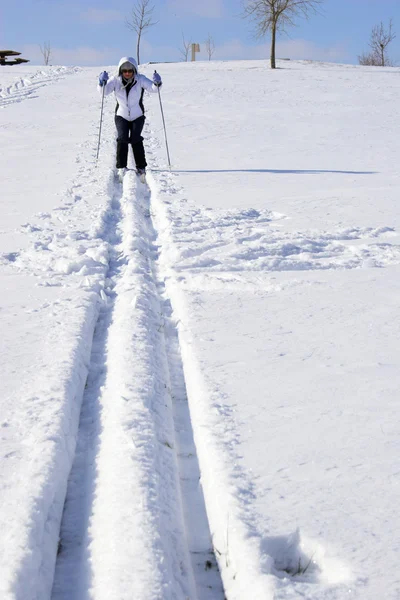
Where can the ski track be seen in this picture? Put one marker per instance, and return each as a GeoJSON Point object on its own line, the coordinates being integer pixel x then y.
{"type": "Point", "coordinates": [134, 494]}
{"type": "Point", "coordinates": [135, 523]}
{"type": "Point", "coordinates": [25, 88]}
{"type": "Point", "coordinates": [134, 520]}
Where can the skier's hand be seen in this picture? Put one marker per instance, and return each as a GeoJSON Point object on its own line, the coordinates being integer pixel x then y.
{"type": "Point", "coordinates": [103, 78]}
{"type": "Point", "coordinates": [157, 79]}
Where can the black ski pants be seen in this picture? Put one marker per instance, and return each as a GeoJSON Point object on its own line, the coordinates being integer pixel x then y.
{"type": "Point", "coordinates": [129, 132]}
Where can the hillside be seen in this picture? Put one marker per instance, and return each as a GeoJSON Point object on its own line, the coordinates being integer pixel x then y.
{"type": "Point", "coordinates": [199, 391]}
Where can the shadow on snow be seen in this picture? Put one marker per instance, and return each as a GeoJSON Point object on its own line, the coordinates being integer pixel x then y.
{"type": "Point", "coordinates": [277, 171]}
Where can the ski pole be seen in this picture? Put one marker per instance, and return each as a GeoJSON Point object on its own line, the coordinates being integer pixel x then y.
{"type": "Point", "coordinates": [101, 120]}
{"type": "Point", "coordinates": [165, 131]}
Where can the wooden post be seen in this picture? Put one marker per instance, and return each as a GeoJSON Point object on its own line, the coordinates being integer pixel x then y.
{"type": "Point", "coordinates": [195, 48]}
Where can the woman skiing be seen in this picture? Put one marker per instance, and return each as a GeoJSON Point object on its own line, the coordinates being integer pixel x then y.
{"type": "Point", "coordinates": [129, 87]}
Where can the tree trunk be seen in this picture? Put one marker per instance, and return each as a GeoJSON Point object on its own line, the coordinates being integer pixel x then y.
{"type": "Point", "coordinates": [273, 41]}
{"type": "Point", "coordinates": [138, 47]}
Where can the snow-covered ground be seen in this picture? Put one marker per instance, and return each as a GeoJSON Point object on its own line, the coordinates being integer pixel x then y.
{"type": "Point", "coordinates": [200, 378]}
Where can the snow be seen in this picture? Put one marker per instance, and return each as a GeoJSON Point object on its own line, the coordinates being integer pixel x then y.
{"type": "Point", "coordinates": [204, 371]}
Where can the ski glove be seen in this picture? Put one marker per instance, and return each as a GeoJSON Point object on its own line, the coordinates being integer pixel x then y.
{"type": "Point", "coordinates": [103, 78]}
{"type": "Point", "coordinates": [157, 79]}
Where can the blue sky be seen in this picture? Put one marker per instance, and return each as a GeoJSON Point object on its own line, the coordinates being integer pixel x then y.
{"type": "Point", "coordinates": [93, 32]}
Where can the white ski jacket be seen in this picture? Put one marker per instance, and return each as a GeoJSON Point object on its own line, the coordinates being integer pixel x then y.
{"type": "Point", "coordinates": [130, 106]}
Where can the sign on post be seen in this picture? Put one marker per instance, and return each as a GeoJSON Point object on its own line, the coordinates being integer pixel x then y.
{"type": "Point", "coordinates": [195, 48]}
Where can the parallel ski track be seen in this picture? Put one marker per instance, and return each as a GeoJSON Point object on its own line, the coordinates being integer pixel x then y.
{"type": "Point", "coordinates": [205, 570]}
{"type": "Point", "coordinates": [25, 89]}
{"type": "Point", "coordinates": [134, 522]}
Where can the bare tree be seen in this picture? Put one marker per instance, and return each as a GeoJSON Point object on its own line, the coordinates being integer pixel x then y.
{"type": "Point", "coordinates": [277, 15]}
{"type": "Point", "coordinates": [379, 41]}
{"type": "Point", "coordinates": [141, 19]}
{"type": "Point", "coordinates": [210, 46]}
{"type": "Point", "coordinates": [368, 60]}
{"type": "Point", "coordinates": [186, 47]}
{"type": "Point", "coordinates": [46, 52]}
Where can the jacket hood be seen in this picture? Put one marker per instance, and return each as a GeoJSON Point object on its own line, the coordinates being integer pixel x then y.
{"type": "Point", "coordinates": [128, 59]}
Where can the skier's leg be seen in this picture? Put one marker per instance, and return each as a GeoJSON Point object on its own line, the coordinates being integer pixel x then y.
{"type": "Point", "coordinates": [122, 126]}
{"type": "Point", "coordinates": [137, 143]}
{"type": "Point", "coordinates": [139, 154]}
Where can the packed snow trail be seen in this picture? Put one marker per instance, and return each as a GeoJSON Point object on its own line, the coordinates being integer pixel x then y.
{"type": "Point", "coordinates": [135, 472]}
{"type": "Point", "coordinates": [278, 266]}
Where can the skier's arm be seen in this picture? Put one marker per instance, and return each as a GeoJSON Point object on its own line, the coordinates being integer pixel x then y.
{"type": "Point", "coordinates": [148, 85]}
{"type": "Point", "coordinates": [108, 84]}
{"type": "Point", "coordinates": [108, 88]}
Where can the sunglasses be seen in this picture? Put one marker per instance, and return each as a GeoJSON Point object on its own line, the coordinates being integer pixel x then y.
{"type": "Point", "coordinates": [127, 70]}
